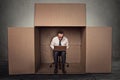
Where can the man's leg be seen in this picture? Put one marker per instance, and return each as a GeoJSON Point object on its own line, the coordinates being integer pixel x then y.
{"type": "Point", "coordinates": [56, 61]}
{"type": "Point", "coordinates": [63, 54]}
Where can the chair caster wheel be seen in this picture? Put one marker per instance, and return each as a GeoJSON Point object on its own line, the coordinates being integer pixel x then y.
{"type": "Point", "coordinates": [50, 66]}
{"type": "Point", "coordinates": [67, 65]}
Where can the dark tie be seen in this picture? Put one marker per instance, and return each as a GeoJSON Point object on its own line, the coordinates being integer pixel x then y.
{"type": "Point", "coordinates": [59, 42]}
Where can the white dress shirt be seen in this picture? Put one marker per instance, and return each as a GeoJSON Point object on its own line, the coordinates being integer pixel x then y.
{"type": "Point", "coordinates": [55, 42]}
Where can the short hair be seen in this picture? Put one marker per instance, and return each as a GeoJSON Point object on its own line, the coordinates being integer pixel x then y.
{"type": "Point", "coordinates": [60, 32]}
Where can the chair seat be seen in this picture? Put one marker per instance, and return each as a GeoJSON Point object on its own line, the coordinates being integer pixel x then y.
{"type": "Point", "coordinates": [59, 63]}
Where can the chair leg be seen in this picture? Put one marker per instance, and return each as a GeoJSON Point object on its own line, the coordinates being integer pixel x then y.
{"type": "Point", "coordinates": [59, 63]}
{"type": "Point", "coordinates": [51, 64]}
{"type": "Point", "coordinates": [67, 64]}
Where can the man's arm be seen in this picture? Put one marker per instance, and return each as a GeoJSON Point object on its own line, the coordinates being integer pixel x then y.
{"type": "Point", "coordinates": [67, 43]}
{"type": "Point", "coordinates": [52, 44]}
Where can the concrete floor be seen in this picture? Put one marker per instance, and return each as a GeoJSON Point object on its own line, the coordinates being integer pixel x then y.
{"type": "Point", "coordinates": [115, 75]}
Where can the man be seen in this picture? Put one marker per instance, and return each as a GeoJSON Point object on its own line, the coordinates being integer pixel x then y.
{"type": "Point", "coordinates": [59, 40]}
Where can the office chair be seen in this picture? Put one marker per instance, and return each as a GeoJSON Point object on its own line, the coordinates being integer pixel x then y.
{"type": "Point", "coordinates": [59, 63]}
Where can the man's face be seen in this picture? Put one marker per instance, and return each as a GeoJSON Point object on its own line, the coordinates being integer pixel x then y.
{"type": "Point", "coordinates": [60, 36]}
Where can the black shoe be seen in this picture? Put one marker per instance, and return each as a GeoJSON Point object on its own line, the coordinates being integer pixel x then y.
{"type": "Point", "coordinates": [63, 68]}
{"type": "Point", "coordinates": [55, 71]}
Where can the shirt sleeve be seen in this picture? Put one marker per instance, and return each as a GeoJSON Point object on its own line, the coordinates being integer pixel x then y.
{"type": "Point", "coordinates": [52, 44]}
{"type": "Point", "coordinates": [67, 43]}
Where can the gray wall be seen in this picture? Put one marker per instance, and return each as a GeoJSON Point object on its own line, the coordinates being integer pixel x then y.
{"type": "Point", "coordinates": [20, 13]}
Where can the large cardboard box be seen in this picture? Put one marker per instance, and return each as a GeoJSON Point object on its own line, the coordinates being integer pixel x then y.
{"type": "Point", "coordinates": [29, 49]}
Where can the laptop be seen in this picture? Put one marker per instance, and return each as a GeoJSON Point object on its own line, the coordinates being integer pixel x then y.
{"type": "Point", "coordinates": [59, 48]}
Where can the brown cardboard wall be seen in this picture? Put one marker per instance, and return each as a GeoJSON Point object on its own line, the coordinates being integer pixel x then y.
{"type": "Point", "coordinates": [60, 14]}
{"type": "Point", "coordinates": [98, 49]}
{"type": "Point", "coordinates": [21, 57]}
{"type": "Point", "coordinates": [37, 49]}
{"type": "Point", "coordinates": [83, 50]}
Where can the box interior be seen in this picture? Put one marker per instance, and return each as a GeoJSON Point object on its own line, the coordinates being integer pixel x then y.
{"type": "Point", "coordinates": [75, 54]}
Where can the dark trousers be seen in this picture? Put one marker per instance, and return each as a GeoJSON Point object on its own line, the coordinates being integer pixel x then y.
{"type": "Point", "coordinates": [63, 56]}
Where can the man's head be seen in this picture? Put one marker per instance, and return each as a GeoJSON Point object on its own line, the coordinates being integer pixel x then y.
{"type": "Point", "coordinates": [60, 35]}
